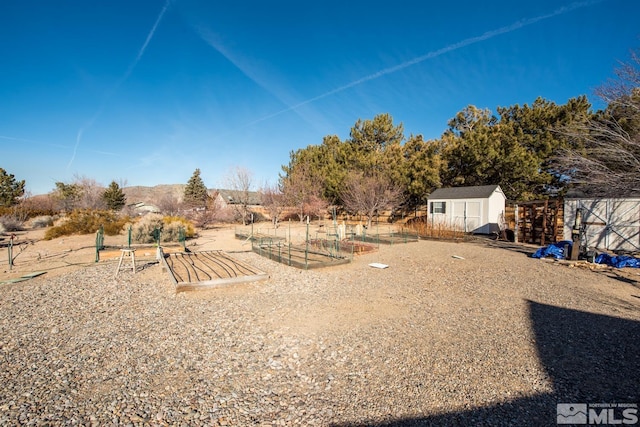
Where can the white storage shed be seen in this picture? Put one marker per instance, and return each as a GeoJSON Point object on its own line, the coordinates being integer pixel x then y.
{"type": "Point", "coordinates": [478, 210]}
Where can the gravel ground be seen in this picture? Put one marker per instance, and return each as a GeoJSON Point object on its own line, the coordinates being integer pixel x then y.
{"type": "Point", "coordinates": [494, 338]}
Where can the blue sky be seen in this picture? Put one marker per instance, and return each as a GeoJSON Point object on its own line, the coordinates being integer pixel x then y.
{"type": "Point", "coordinates": [147, 91]}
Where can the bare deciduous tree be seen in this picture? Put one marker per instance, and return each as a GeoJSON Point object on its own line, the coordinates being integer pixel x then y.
{"type": "Point", "coordinates": [83, 193]}
{"type": "Point", "coordinates": [273, 201]}
{"type": "Point", "coordinates": [605, 159]}
{"type": "Point", "coordinates": [91, 193]}
{"type": "Point", "coordinates": [204, 218]}
{"type": "Point", "coordinates": [239, 182]}
{"type": "Point", "coordinates": [302, 190]}
{"type": "Point", "coordinates": [169, 204]}
{"type": "Point", "coordinates": [369, 194]}
{"type": "Point", "coordinates": [315, 206]}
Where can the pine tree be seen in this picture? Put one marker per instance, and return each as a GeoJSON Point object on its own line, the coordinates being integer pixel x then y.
{"type": "Point", "coordinates": [114, 197]}
{"type": "Point", "coordinates": [10, 189]}
{"type": "Point", "coordinates": [196, 193]}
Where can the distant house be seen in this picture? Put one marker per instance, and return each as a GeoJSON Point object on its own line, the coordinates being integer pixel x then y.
{"type": "Point", "coordinates": [142, 208]}
{"type": "Point", "coordinates": [227, 198]}
{"type": "Point", "coordinates": [478, 210]}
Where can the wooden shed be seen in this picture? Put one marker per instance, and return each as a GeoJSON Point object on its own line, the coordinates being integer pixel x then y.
{"type": "Point", "coordinates": [478, 209]}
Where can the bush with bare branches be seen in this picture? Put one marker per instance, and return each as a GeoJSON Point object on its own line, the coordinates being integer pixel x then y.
{"type": "Point", "coordinates": [369, 194]}
{"type": "Point", "coordinates": [273, 201]}
{"type": "Point", "coordinates": [605, 157]}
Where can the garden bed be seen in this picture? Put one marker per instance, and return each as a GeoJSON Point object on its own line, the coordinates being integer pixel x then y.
{"type": "Point", "coordinates": [306, 256]}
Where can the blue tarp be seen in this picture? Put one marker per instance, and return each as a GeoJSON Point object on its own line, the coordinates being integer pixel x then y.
{"type": "Point", "coordinates": [620, 261]}
{"type": "Point", "coordinates": [557, 251]}
{"type": "Point", "coordinates": [554, 250]}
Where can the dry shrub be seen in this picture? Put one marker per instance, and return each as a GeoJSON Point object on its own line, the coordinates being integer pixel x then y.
{"type": "Point", "coordinates": [435, 229]}
{"type": "Point", "coordinates": [202, 218]}
{"type": "Point", "coordinates": [42, 221]}
{"type": "Point", "coordinates": [11, 223]}
{"type": "Point", "coordinates": [27, 209]}
{"type": "Point", "coordinates": [173, 225]}
{"type": "Point", "coordinates": [87, 221]}
{"type": "Point", "coordinates": [145, 229]}
{"type": "Point", "coordinates": [228, 215]}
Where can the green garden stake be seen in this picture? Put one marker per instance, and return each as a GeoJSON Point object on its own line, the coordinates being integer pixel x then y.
{"type": "Point", "coordinates": [129, 238]}
{"type": "Point", "coordinates": [10, 248]}
{"type": "Point", "coordinates": [182, 238]}
{"type": "Point", "coordinates": [99, 242]}
{"type": "Point", "coordinates": [156, 235]}
{"type": "Point", "coordinates": [97, 245]}
{"type": "Point", "coordinates": [101, 237]}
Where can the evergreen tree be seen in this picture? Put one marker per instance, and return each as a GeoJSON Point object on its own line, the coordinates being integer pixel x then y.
{"type": "Point", "coordinates": [513, 150]}
{"type": "Point", "coordinates": [67, 195]}
{"type": "Point", "coordinates": [113, 197]}
{"type": "Point", "coordinates": [421, 167]}
{"type": "Point", "coordinates": [196, 193]}
{"type": "Point", "coordinates": [370, 140]}
{"type": "Point", "coordinates": [374, 147]}
{"type": "Point", "coordinates": [10, 189]}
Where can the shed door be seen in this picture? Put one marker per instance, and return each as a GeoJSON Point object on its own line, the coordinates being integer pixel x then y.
{"type": "Point", "coordinates": [612, 224]}
{"type": "Point", "coordinates": [474, 214]}
{"type": "Point", "coordinates": [467, 215]}
{"type": "Point", "coordinates": [458, 214]}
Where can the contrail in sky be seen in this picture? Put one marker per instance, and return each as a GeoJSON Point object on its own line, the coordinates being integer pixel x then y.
{"type": "Point", "coordinates": [433, 54]}
{"type": "Point", "coordinates": [146, 42]}
{"type": "Point", "coordinates": [124, 77]}
{"type": "Point", "coordinates": [11, 138]}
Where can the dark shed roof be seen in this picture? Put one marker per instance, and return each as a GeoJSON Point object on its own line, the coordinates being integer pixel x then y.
{"type": "Point", "coordinates": [231, 196]}
{"type": "Point", "coordinates": [479, 192]}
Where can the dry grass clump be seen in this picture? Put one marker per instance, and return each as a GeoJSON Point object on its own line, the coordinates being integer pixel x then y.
{"type": "Point", "coordinates": [437, 230]}
{"type": "Point", "coordinates": [152, 227]}
{"type": "Point", "coordinates": [42, 221]}
{"type": "Point", "coordinates": [11, 223]}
